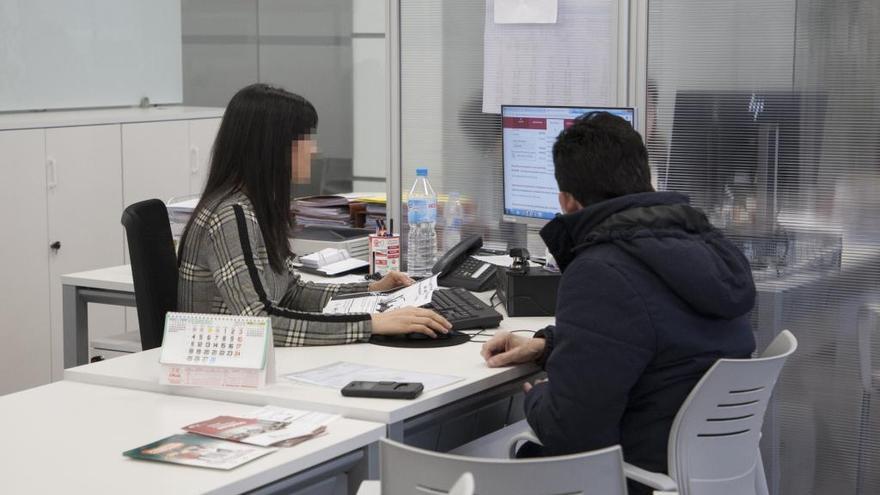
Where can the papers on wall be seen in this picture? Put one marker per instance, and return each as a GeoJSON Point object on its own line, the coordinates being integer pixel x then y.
{"type": "Point", "coordinates": [338, 375]}
{"type": "Point", "coordinates": [417, 294]}
{"type": "Point", "coordinates": [525, 11]}
{"type": "Point", "coordinates": [571, 62]}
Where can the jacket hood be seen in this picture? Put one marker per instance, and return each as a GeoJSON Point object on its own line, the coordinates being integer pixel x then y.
{"type": "Point", "coordinates": [672, 239]}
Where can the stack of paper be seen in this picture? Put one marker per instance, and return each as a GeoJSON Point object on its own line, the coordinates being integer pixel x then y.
{"type": "Point", "coordinates": [331, 261]}
{"type": "Point", "coordinates": [179, 211]}
{"type": "Point", "coordinates": [322, 210]}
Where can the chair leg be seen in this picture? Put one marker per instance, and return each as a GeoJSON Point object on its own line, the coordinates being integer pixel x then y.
{"type": "Point", "coordinates": [760, 476]}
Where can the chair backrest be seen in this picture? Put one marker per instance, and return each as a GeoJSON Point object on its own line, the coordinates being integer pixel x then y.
{"type": "Point", "coordinates": [153, 267]}
{"type": "Point", "coordinates": [713, 444]}
{"type": "Point", "coordinates": [407, 470]}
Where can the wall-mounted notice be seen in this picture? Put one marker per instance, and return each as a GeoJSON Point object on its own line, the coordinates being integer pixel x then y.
{"type": "Point", "coordinates": [525, 11]}
{"type": "Point", "coordinates": [569, 62]}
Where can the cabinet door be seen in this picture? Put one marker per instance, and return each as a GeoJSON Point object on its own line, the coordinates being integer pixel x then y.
{"type": "Point", "coordinates": [24, 260]}
{"type": "Point", "coordinates": [156, 164]}
{"type": "Point", "coordinates": [201, 142]}
{"type": "Point", "coordinates": [85, 208]}
{"type": "Point", "coordinates": [155, 160]}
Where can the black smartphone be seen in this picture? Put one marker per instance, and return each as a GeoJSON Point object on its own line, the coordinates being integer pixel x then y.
{"type": "Point", "coordinates": [383, 390]}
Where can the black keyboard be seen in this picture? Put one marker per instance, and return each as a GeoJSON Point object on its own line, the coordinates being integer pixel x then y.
{"type": "Point", "coordinates": [464, 310]}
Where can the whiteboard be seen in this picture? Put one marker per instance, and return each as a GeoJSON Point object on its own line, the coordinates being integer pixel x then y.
{"type": "Point", "coordinates": [89, 53]}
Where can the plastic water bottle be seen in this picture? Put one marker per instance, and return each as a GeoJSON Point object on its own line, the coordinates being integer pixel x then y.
{"type": "Point", "coordinates": [452, 218]}
{"type": "Point", "coordinates": [422, 217]}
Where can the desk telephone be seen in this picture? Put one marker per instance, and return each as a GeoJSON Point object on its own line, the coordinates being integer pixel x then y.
{"type": "Point", "coordinates": [457, 268]}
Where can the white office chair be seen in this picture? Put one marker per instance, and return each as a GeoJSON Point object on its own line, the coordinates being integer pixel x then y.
{"type": "Point", "coordinates": [713, 444]}
{"type": "Point", "coordinates": [407, 470]}
{"type": "Point", "coordinates": [464, 485]}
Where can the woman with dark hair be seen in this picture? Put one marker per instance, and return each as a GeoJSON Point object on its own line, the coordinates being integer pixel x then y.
{"type": "Point", "coordinates": [234, 256]}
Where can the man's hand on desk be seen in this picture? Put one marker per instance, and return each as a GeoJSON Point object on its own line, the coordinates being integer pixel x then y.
{"type": "Point", "coordinates": [505, 349]}
{"type": "Point", "coordinates": [392, 280]}
{"type": "Point", "coordinates": [527, 387]}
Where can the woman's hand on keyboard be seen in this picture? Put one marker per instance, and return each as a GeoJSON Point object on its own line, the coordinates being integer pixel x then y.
{"type": "Point", "coordinates": [409, 320]}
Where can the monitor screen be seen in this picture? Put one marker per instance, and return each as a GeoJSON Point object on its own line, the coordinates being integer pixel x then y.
{"type": "Point", "coordinates": [528, 134]}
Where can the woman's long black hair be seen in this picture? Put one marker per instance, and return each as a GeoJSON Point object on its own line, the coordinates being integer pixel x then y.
{"type": "Point", "coordinates": [252, 153]}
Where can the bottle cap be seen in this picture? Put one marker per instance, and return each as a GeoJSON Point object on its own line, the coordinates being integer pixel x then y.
{"type": "Point", "coordinates": [421, 172]}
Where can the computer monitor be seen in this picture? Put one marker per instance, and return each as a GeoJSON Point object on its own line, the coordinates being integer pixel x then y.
{"type": "Point", "coordinates": [528, 133]}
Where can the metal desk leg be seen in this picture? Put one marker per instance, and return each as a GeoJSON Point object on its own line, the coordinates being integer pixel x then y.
{"type": "Point", "coordinates": [394, 431]}
{"type": "Point", "coordinates": [75, 320]}
{"type": "Point", "coordinates": [366, 469]}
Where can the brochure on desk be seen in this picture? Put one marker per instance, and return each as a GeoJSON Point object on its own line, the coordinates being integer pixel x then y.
{"type": "Point", "coordinates": [217, 350]}
{"type": "Point", "coordinates": [267, 426]}
{"type": "Point", "coordinates": [200, 451]}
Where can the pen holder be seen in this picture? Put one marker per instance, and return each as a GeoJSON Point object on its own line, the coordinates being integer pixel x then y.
{"type": "Point", "coordinates": [384, 253]}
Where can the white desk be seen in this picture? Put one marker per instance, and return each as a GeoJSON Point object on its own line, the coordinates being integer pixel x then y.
{"type": "Point", "coordinates": [70, 436]}
{"type": "Point", "coordinates": [111, 285]}
{"type": "Point", "coordinates": [481, 385]}
{"type": "Point", "coordinates": [105, 286]}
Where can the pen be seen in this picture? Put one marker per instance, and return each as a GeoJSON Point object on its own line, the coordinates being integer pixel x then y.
{"type": "Point", "coordinates": [390, 227]}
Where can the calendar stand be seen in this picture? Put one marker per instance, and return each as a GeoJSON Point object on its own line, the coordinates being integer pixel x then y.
{"type": "Point", "coordinates": [217, 351]}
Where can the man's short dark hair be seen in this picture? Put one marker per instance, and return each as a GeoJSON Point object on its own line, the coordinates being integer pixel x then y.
{"type": "Point", "coordinates": [601, 157]}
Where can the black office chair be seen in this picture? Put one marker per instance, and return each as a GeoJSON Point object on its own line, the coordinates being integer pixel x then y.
{"type": "Point", "coordinates": [153, 267]}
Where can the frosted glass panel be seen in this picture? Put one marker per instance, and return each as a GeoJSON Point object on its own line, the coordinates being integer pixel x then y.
{"type": "Point", "coordinates": [765, 112]}
{"type": "Point", "coordinates": [443, 125]}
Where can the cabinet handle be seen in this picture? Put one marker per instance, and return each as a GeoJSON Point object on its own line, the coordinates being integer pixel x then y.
{"type": "Point", "coordinates": [194, 159]}
{"type": "Point", "coordinates": [51, 173]}
{"type": "Point", "coordinates": [55, 245]}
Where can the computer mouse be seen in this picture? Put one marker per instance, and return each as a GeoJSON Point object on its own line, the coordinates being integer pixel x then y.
{"type": "Point", "coordinates": [421, 336]}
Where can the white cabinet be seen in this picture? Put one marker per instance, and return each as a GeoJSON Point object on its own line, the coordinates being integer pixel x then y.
{"type": "Point", "coordinates": [201, 143]}
{"type": "Point", "coordinates": [66, 177]}
{"type": "Point", "coordinates": [24, 260]}
{"type": "Point", "coordinates": [177, 168]}
{"type": "Point", "coordinates": [85, 205]}
{"type": "Point", "coordinates": [151, 171]}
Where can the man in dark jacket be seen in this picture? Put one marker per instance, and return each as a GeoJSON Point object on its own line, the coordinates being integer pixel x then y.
{"type": "Point", "coordinates": [651, 296]}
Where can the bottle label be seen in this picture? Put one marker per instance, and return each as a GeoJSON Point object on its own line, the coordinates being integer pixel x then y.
{"type": "Point", "coordinates": [421, 210]}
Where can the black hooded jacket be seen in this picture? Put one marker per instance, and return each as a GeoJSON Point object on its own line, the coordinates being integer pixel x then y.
{"type": "Point", "coordinates": [651, 296]}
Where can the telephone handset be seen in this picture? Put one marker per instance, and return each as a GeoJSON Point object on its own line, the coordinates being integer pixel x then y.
{"type": "Point", "coordinates": [457, 268]}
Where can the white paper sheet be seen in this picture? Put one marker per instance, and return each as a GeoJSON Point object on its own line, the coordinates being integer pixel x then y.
{"type": "Point", "coordinates": [566, 63]}
{"type": "Point", "coordinates": [338, 375]}
{"type": "Point", "coordinates": [301, 423]}
{"type": "Point", "coordinates": [496, 259]}
{"type": "Point", "coordinates": [525, 11]}
{"type": "Point", "coordinates": [363, 304]}
{"type": "Point", "coordinates": [417, 294]}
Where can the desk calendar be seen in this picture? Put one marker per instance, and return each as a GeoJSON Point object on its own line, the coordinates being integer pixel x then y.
{"type": "Point", "coordinates": [217, 350]}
